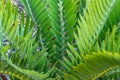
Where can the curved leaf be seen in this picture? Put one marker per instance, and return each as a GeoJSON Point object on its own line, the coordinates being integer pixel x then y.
{"type": "Point", "coordinates": [18, 72]}
{"type": "Point", "coordinates": [38, 12]}
{"type": "Point", "coordinates": [92, 23]}
{"type": "Point", "coordinates": [112, 20]}
{"type": "Point", "coordinates": [94, 66]}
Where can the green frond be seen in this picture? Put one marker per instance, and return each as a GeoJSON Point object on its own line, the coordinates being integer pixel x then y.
{"type": "Point", "coordinates": [11, 30]}
{"type": "Point", "coordinates": [60, 39]}
{"type": "Point", "coordinates": [111, 42]}
{"type": "Point", "coordinates": [26, 25]}
{"type": "Point", "coordinates": [112, 20]}
{"type": "Point", "coordinates": [20, 60]}
{"type": "Point", "coordinates": [92, 23]}
{"type": "Point", "coordinates": [85, 40]}
{"type": "Point", "coordinates": [111, 75]}
{"type": "Point", "coordinates": [94, 66]}
{"type": "Point", "coordinates": [81, 4]}
{"type": "Point", "coordinates": [62, 20]}
{"type": "Point", "coordinates": [41, 20]}
{"type": "Point", "coordinates": [16, 71]}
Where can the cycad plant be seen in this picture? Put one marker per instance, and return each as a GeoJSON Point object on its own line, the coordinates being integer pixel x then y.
{"type": "Point", "coordinates": [60, 40]}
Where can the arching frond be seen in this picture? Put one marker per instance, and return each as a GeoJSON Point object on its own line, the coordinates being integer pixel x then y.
{"type": "Point", "coordinates": [93, 66]}
{"type": "Point", "coordinates": [92, 23]}
{"type": "Point", "coordinates": [38, 12]}
{"type": "Point", "coordinates": [21, 48]}
{"type": "Point", "coordinates": [82, 35]}
{"type": "Point", "coordinates": [16, 71]}
{"type": "Point", "coordinates": [112, 20]}
{"type": "Point", "coordinates": [111, 44]}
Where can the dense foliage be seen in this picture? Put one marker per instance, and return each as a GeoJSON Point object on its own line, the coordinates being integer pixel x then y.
{"type": "Point", "coordinates": [60, 40]}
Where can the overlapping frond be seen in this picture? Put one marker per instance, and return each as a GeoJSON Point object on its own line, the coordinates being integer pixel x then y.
{"type": "Point", "coordinates": [62, 19]}
{"type": "Point", "coordinates": [21, 48]}
{"type": "Point", "coordinates": [113, 19]}
{"type": "Point", "coordinates": [38, 12]}
{"type": "Point", "coordinates": [55, 21]}
{"type": "Point", "coordinates": [94, 65]}
{"type": "Point", "coordinates": [111, 44]}
{"type": "Point", "coordinates": [90, 27]}
{"type": "Point", "coordinates": [92, 23]}
{"type": "Point", "coordinates": [111, 75]}
{"type": "Point", "coordinates": [17, 70]}
{"type": "Point", "coordinates": [81, 4]}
